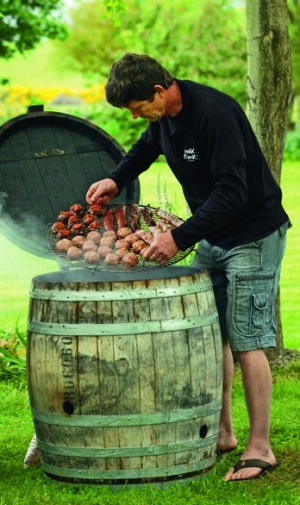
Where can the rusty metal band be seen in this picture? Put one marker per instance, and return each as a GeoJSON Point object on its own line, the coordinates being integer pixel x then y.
{"type": "Point", "coordinates": [132, 328]}
{"type": "Point", "coordinates": [126, 452]}
{"type": "Point", "coordinates": [98, 421]}
{"type": "Point", "coordinates": [121, 295]}
{"type": "Point", "coordinates": [135, 473]}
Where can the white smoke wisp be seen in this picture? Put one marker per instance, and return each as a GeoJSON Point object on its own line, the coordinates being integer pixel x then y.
{"type": "Point", "coordinates": [25, 231]}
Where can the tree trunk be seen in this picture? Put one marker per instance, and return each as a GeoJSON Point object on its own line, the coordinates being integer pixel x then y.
{"type": "Point", "coordinates": [269, 89]}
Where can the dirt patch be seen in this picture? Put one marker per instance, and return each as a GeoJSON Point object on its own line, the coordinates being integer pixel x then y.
{"type": "Point", "coordinates": [285, 359]}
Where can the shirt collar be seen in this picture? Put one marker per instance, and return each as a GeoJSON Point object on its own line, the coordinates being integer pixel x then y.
{"type": "Point", "coordinates": [183, 119]}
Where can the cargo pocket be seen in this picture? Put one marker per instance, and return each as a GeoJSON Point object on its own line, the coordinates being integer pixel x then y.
{"type": "Point", "coordinates": [253, 302]}
{"type": "Point", "coordinates": [284, 228]}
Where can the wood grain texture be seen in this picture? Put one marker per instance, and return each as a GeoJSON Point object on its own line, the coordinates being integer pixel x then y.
{"type": "Point", "coordinates": [48, 160]}
{"type": "Point", "coordinates": [104, 406]}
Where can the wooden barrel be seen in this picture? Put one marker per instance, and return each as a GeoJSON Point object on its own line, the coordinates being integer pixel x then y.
{"type": "Point", "coordinates": [125, 375]}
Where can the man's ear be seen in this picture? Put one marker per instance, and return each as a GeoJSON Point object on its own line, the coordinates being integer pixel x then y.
{"type": "Point", "coordinates": [159, 89]}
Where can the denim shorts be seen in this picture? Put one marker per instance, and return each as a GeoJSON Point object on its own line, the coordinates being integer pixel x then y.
{"type": "Point", "coordinates": [246, 280]}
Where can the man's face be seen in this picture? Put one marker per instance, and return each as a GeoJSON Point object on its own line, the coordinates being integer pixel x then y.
{"type": "Point", "coordinates": [152, 110]}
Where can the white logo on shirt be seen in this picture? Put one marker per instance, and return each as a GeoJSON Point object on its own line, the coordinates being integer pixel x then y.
{"type": "Point", "coordinates": [189, 154]}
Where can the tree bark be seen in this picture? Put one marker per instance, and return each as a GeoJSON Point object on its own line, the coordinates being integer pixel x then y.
{"type": "Point", "coordinates": [269, 90]}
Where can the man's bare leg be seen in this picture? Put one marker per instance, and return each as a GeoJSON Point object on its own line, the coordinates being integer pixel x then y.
{"type": "Point", "coordinates": [257, 382]}
{"type": "Point", "coordinates": [227, 440]}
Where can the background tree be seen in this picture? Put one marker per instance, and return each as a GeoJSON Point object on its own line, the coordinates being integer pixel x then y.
{"type": "Point", "coordinates": [23, 24]}
{"type": "Point", "coordinates": [92, 41]}
{"type": "Point", "coordinates": [269, 86]}
{"type": "Point", "coordinates": [196, 39]}
{"type": "Point", "coordinates": [294, 30]}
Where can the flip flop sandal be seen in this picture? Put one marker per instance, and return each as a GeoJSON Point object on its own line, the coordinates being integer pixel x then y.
{"type": "Point", "coordinates": [253, 463]}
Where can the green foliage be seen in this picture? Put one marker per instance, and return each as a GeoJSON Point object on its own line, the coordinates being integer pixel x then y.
{"type": "Point", "coordinates": [115, 10]}
{"type": "Point", "coordinates": [117, 122]}
{"type": "Point", "coordinates": [91, 41]}
{"type": "Point", "coordinates": [24, 23]}
{"type": "Point", "coordinates": [201, 40]}
{"type": "Point", "coordinates": [13, 357]}
{"type": "Point", "coordinates": [292, 146]}
{"type": "Point", "coordinates": [292, 371]}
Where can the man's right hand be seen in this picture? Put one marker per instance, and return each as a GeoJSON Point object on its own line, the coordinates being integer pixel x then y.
{"type": "Point", "coordinates": [102, 191]}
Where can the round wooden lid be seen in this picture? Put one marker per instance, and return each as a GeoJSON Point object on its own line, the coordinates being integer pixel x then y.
{"type": "Point", "coordinates": [48, 160]}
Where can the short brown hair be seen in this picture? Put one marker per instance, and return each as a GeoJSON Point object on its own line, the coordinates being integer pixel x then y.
{"type": "Point", "coordinates": [133, 77]}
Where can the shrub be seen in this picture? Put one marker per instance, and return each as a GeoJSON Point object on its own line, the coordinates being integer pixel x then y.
{"type": "Point", "coordinates": [15, 100]}
{"type": "Point", "coordinates": [292, 145]}
{"type": "Point", "coordinates": [117, 122]}
{"type": "Point", "coordinates": [88, 103]}
{"type": "Point", "coordinates": [13, 357]}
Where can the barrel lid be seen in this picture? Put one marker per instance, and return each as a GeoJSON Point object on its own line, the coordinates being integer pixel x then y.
{"type": "Point", "coordinates": [48, 160]}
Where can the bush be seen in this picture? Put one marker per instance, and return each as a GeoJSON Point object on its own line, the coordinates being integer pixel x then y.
{"type": "Point", "coordinates": [13, 357]}
{"type": "Point", "coordinates": [117, 122]}
{"type": "Point", "coordinates": [292, 145]}
{"type": "Point", "coordinates": [15, 100]}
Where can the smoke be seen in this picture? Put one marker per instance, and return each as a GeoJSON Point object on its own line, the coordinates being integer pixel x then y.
{"type": "Point", "coordinates": [24, 230]}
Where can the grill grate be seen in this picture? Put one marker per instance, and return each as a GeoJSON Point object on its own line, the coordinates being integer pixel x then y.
{"type": "Point", "coordinates": [147, 217]}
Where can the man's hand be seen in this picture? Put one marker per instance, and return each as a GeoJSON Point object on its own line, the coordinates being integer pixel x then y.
{"type": "Point", "coordinates": [102, 191]}
{"type": "Point", "coordinates": [162, 248]}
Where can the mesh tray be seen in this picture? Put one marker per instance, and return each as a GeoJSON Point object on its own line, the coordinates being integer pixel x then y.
{"type": "Point", "coordinates": [101, 265]}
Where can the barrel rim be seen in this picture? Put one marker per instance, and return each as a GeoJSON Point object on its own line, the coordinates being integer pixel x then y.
{"type": "Point", "coordinates": [82, 275]}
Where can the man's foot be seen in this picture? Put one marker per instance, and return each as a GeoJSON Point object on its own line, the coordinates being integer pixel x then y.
{"type": "Point", "coordinates": [245, 466]}
{"type": "Point", "coordinates": [251, 468]}
{"type": "Point", "coordinates": [226, 443]}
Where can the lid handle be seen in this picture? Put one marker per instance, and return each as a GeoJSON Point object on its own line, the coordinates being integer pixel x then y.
{"type": "Point", "coordinates": [35, 108]}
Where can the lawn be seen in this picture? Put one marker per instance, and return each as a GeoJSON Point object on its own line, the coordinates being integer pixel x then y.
{"type": "Point", "coordinates": [290, 278]}
{"type": "Point", "coordinates": [21, 486]}
{"type": "Point", "coordinates": [40, 67]}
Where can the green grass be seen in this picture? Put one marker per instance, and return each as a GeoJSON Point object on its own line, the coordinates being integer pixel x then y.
{"type": "Point", "coordinates": [21, 486]}
{"type": "Point", "coordinates": [290, 278]}
{"type": "Point", "coordinates": [40, 67]}
{"type": "Point", "coordinates": [17, 268]}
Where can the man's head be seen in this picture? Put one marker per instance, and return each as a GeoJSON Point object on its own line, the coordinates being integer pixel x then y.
{"type": "Point", "coordinates": [135, 78]}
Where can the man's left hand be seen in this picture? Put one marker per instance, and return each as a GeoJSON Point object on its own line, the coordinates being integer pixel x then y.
{"type": "Point", "coordinates": [162, 248]}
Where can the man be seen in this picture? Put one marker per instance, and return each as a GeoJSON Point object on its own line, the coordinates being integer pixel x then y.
{"type": "Point", "coordinates": [237, 219]}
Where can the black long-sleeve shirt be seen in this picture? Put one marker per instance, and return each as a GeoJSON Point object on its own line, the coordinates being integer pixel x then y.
{"type": "Point", "coordinates": [213, 152]}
